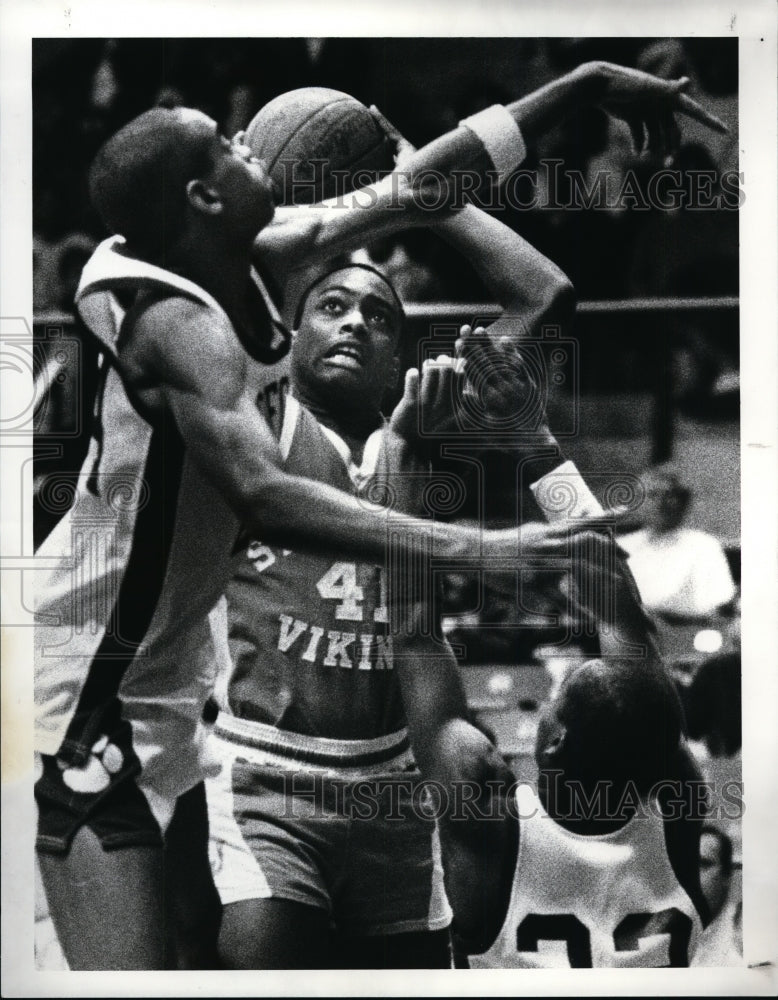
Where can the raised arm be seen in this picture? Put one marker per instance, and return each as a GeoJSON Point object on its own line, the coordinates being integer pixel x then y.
{"type": "Point", "coordinates": [201, 377]}
{"type": "Point", "coordinates": [645, 102]}
{"type": "Point", "coordinates": [612, 600]}
{"type": "Point", "coordinates": [491, 140]}
{"type": "Point", "coordinates": [301, 235]}
{"type": "Point", "coordinates": [531, 289]}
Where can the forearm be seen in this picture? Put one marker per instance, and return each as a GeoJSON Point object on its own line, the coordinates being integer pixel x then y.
{"type": "Point", "coordinates": [625, 625]}
{"type": "Point", "coordinates": [302, 235]}
{"type": "Point", "coordinates": [534, 114]}
{"type": "Point", "coordinates": [433, 696]}
{"type": "Point", "coordinates": [545, 107]}
{"type": "Point", "coordinates": [389, 206]}
{"type": "Point", "coordinates": [526, 284]}
{"type": "Point", "coordinates": [303, 513]}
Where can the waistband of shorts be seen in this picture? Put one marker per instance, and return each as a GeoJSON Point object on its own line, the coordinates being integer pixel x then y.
{"type": "Point", "coordinates": [317, 751]}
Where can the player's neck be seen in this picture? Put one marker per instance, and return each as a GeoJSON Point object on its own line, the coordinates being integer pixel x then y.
{"type": "Point", "coordinates": [352, 423]}
{"type": "Point", "coordinates": [225, 281]}
{"type": "Point", "coordinates": [586, 816]}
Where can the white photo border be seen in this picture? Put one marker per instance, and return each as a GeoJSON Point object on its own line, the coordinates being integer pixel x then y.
{"type": "Point", "coordinates": [753, 22]}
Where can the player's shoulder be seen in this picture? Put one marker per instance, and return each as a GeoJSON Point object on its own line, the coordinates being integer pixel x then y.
{"type": "Point", "coordinates": [633, 540]}
{"type": "Point", "coordinates": [701, 540]}
{"type": "Point", "coordinates": [177, 334]}
{"type": "Point", "coordinates": [166, 316]}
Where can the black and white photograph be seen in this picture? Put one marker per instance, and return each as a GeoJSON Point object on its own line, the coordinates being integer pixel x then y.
{"type": "Point", "coordinates": [389, 546]}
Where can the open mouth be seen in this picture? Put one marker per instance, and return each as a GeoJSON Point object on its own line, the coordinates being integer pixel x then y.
{"type": "Point", "coordinates": [345, 356]}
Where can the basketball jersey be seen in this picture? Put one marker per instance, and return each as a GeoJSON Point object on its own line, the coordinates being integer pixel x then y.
{"type": "Point", "coordinates": [605, 901]}
{"type": "Point", "coordinates": [309, 637]}
{"type": "Point", "coordinates": [131, 571]}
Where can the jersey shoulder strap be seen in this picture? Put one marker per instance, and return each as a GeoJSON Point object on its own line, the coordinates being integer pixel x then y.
{"type": "Point", "coordinates": [110, 271]}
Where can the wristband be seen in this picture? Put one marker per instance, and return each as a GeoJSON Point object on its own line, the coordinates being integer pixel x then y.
{"type": "Point", "coordinates": [501, 138]}
{"type": "Point", "coordinates": [562, 495]}
{"type": "Point", "coordinates": [533, 469]}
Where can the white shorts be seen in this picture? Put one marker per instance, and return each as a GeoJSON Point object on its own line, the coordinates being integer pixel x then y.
{"type": "Point", "coordinates": [334, 824]}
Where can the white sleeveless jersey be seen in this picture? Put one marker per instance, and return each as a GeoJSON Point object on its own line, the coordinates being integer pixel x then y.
{"type": "Point", "coordinates": [605, 901]}
{"type": "Point", "coordinates": [131, 571]}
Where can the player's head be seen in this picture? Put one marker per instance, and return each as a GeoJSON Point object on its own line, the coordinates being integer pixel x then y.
{"type": "Point", "coordinates": [347, 328]}
{"type": "Point", "coordinates": [715, 867]}
{"type": "Point", "coordinates": [667, 498]}
{"type": "Point", "coordinates": [616, 722]}
{"type": "Point", "coordinates": [170, 169]}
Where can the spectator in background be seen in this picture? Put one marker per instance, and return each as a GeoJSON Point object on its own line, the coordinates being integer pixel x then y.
{"type": "Point", "coordinates": [713, 699]}
{"type": "Point", "coordinates": [682, 573]}
{"type": "Point", "coordinates": [721, 941]}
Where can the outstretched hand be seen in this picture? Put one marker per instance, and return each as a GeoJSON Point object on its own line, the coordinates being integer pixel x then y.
{"type": "Point", "coordinates": [648, 104]}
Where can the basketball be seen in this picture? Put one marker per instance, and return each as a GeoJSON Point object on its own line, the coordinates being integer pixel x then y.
{"type": "Point", "coordinates": [318, 143]}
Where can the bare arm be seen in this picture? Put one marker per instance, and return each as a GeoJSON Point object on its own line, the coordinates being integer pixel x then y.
{"type": "Point", "coordinates": [531, 289]}
{"type": "Point", "coordinates": [639, 98]}
{"type": "Point", "coordinates": [305, 234]}
{"type": "Point", "coordinates": [479, 838]}
{"type": "Point", "coordinates": [624, 628]}
{"type": "Point", "coordinates": [200, 376]}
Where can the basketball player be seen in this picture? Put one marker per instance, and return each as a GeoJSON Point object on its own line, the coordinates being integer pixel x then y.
{"type": "Point", "coordinates": [181, 447]}
{"type": "Point", "coordinates": [180, 455]}
{"type": "Point", "coordinates": [312, 675]}
{"type": "Point", "coordinates": [599, 866]}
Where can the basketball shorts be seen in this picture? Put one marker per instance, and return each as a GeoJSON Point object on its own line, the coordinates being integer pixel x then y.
{"type": "Point", "coordinates": [339, 825]}
{"type": "Point", "coordinates": [95, 781]}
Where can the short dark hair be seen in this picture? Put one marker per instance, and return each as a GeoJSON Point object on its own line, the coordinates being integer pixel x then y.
{"type": "Point", "coordinates": [138, 179]}
{"type": "Point", "coordinates": [623, 723]}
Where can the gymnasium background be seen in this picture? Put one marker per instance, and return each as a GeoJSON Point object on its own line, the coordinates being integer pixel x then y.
{"type": "Point", "coordinates": [651, 373]}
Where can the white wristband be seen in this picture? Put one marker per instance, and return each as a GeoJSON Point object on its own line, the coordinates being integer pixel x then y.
{"type": "Point", "coordinates": [501, 137]}
{"type": "Point", "coordinates": [562, 494]}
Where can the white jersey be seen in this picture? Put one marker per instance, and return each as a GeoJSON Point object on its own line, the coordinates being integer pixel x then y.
{"type": "Point", "coordinates": [132, 570]}
{"type": "Point", "coordinates": [683, 572]}
{"type": "Point", "coordinates": [605, 901]}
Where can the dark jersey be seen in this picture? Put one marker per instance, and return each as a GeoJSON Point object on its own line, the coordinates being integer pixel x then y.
{"type": "Point", "coordinates": [309, 638]}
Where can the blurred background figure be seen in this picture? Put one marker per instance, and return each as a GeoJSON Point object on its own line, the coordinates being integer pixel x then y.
{"type": "Point", "coordinates": [682, 573]}
{"type": "Point", "coordinates": [713, 705]}
{"type": "Point", "coordinates": [721, 942]}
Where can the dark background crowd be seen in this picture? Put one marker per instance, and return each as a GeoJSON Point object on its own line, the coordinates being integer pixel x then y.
{"type": "Point", "coordinates": [85, 89]}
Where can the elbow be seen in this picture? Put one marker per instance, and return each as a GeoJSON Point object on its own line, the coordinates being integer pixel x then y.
{"type": "Point", "coordinates": [263, 506]}
{"type": "Point", "coordinates": [550, 301]}
{"type": "Point", "coordinates": [561, 299]}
